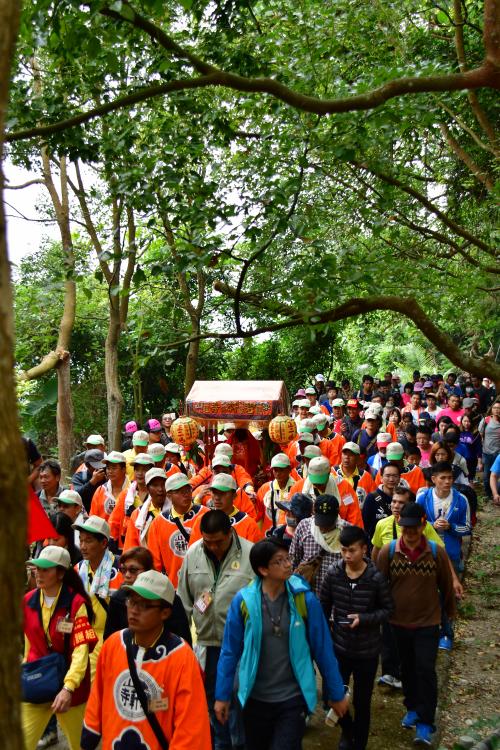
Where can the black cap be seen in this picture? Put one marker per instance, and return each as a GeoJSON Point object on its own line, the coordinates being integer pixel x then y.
{"type": "Point", "coordinates": [326, 510]}
{"type": "Point", "coordinates": [412, 514]}
{"type": "Point", "coordinates": [299, 505]}
{"type": "Point", "coordinates": [95, 458]}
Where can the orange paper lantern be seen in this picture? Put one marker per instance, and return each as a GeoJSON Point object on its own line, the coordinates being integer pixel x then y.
{"type": "Point", "coordinates": [185, 431]}
{"type": "Point", "coordinates": [282, 430]}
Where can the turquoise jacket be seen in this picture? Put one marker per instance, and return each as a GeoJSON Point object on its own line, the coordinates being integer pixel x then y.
{"type": "Point", "coordinates": [309, 639]}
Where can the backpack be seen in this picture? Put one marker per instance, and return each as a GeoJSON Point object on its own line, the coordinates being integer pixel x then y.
{"type": "Point", "coordinates": [392, 548]}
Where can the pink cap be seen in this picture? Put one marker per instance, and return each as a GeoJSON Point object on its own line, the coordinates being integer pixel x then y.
{"type": "Point", "coordinates": [417, 387]}
{"type": "Point", "coordinates": [153, 425]}
{"type": "Point", "coordinates": [131, 427]}
{"type": "Point", "coordinates": [301, 392]}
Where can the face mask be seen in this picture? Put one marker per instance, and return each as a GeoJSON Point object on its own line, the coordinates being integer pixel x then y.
{"type": "Point", "coordinates": [291, 521]}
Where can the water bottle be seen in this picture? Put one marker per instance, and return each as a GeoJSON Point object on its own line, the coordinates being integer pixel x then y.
{"type": "Point", "coordinates": [332, 718]}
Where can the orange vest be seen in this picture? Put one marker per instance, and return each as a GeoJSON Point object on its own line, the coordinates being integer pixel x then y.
{"type": "Point", "coordinates": [204, 476]}
{"type": "Point", "coordinates": [414, 479]}
{"type": "Point", "coordinates": [167, 543]}
{"type": "Point", "coordinates": [264, 514]}
{"type": "Point", "coordinates": [241, 523]}
{"type": "Point", "coordinates": [118, 521]}
{"type": "Point", "coordinates": [103, 503]}
{"type": "Point", "coordinates": [364, 485]}
{"type": "Point", "coordinates": [332, 449]}
{"type": "Point", "coordinates": [349, 509]}
{"type": "Point", "coordinates": [203, 495]}
{"type": "Point", "coordinates": [170, 673]}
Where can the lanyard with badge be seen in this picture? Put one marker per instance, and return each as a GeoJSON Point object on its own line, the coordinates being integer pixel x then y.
{"type": "Point", "coordinates": [204, 601]}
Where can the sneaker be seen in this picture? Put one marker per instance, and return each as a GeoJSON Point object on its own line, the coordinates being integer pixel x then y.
{"type": "Point", "coordinates": [391, 681]}
{"type": "Point", "coordinates": [48, 739]}
{"type": "Point", "coordinates": [423, 735]}
{"type": "Point", "coordinates": [409, 720]}
{"type": "Point", "coordinates": [445, 643]}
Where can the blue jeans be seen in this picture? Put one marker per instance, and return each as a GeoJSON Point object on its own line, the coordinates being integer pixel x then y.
{"type": "Point", "coordinates": [232, 734]}
{"type": "Point", "coordinates": [488, 461]}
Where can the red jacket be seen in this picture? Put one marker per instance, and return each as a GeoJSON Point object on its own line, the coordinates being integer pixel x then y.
{"type": "Point", "coordinates": [83, 632]}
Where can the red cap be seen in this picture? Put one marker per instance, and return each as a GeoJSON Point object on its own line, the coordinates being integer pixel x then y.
{"type": "Point", "coordinates": [354, 403]}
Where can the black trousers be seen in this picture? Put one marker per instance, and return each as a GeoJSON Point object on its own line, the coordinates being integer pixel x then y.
{"type": "Point", "coordinates": [275, 726]}
{"type": "Point", "coordinates": [389, 656]}
{"type": "Point", "coordinates": [363, 672]}
{"type": "Point", "coordinates": [418, 648]}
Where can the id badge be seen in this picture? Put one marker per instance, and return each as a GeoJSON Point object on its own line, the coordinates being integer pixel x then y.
{"type": "Point", "coordinates": [158, 704]}
{"type": "Point", "coordinates": [64, 626]}
{"type": "Point", "coordinates": [203, 602]}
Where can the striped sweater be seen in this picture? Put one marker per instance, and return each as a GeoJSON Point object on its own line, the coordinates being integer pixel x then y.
{"type": "Point", "coordinates": [415, 586]}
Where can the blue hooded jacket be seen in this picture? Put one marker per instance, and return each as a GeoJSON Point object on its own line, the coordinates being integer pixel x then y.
{"type": "Point", "coordinates": [458, 516]}
{"type": "Point", "coordinates": [309, 638]}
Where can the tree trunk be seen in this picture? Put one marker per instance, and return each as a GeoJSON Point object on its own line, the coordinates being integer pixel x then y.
{"type": "Point", "coordinates": [113, 392]}
{"type": "Point", "coordinates": [64, 418]}
{"type": "Point", "coordinates": [13, 470]}
{"type": "Point", "coordinates": [191, 363]}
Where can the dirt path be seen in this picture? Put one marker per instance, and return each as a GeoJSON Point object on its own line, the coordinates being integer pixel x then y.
{"type": "Point", "coordinates": [471, 706]}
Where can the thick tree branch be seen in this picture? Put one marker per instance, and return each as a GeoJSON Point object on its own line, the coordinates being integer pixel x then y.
{"type": "Point", "coordinates": [491, 39]}
{"type": "Point", "coordinates": [36, 181]}
{"type": "Point", "coordinates": [424, 201]}
{"type": "Point", "coordinates": [409, 307]}
{"type": "Point", "coordinates": [467, 159]}
{"type": "Point", "coordinates": [129, 271]}
{"type": "Point", "coordinates": [79, 191]}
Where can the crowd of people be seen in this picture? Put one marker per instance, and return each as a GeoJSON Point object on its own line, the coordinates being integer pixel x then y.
{"type": "Point", "coordinates": [189, 596]}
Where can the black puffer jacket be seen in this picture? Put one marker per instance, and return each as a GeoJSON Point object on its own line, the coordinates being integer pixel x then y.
{"type": "Point", "coordinates": [368, 596]}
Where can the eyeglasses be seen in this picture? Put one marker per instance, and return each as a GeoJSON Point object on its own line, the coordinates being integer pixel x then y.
{"type": "Point", "coordinates": [282, 561]}
{"type": "Point", "coordinates": [141, 605]}
{"type": "Point", "coordinates": [130, 569]}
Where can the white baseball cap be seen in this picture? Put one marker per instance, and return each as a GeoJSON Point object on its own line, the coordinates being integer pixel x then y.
{"type": "Point", "coordinates": [320, 378]}
{"type": "Point", "coordinates": [318, 470]}
{"type": "Point", "coordinates": [395, 451]}
{"type": "Point", "coordinates": [304, 403]}
{"type": "Point", "coordinates": [220, 459]}
{"type": "Point", "coordinates": [229, 426]}
{"type": "Point", "coordinates": [320, 419]}
{"type": "Point", "coordinates": [93, 525]}
{"type": "Point", "coordinates": [223, 482]}
{"type": "Point", "coordinates": [305, 437]}
{"type": "Point", "coordinates": [353, 447]}
{"type": "Point", "coordinates": [95, 440]}
{"type": "Point", "coordinates": [312, 451]}
{"type": "Point", "coordinates": [50, 557]}
{"type": "Point", "coordinates": [338, 402]}
{"type": "Point", "coordinates": [280, 461]}
{"type": "Point", "coordinates": [153, 585]}
{"type": "Point", "coordinates": [176, 481]}
{"type": "Point", "coordinates": [154, 474]}
{"type": "Point", "coordinates": [70, 497]}
{"type": "Point", "coordinates": [384, 438]}
{"type": "Point", "coordinates": [173, 448]}
{"type": "Point", "coordinates": [157, 452]}
{"type": "Point", "coordinates": [316, 409]}
{"type": "Point", "coordinates": [140, 437]}
{"type": "Point", "coordinates": [225, 449]}
{"type": "Point", "coordinates": [115, 457]}
{"type": "Point", "coordinates": [143, 459]}
{"type": "Point", "coordinates": [310, 390]}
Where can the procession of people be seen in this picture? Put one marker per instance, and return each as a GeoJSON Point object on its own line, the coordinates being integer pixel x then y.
{"type": "Point", "coordinates": [217, 595]}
